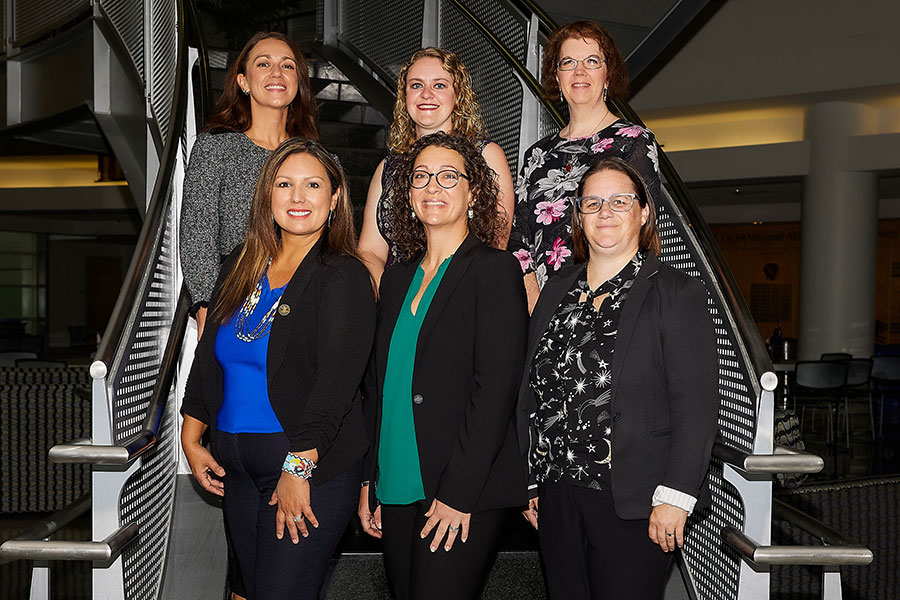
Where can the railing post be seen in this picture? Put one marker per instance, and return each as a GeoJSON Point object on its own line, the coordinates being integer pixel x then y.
{"type": "Point", "coordinates": [331, 21]}
{"type": "Point", "coordinates": [530, 125]}
{"type": "Point", "coordinates": [831, 583]}
{"type": "Point", "coordinates": [431, 23]}
{"type": "Point", "coordinates": [40, 581]}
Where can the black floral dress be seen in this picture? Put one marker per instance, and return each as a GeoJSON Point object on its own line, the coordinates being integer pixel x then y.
{"type": "Point", "coordinates": [541, 234]}
{"type": "Point", "coordinates": [571, 377]}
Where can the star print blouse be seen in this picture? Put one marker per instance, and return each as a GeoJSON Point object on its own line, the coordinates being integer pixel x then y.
{"type": "Point", "coordinates": [571, 377]}
{"type": "Point", "coordinates": [541, 235]}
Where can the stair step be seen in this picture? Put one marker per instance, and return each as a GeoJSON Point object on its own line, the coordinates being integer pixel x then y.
{"type": "Point", "coordinates": [355, 135]}
{"type": "Point", "coordinates": [361, 577]}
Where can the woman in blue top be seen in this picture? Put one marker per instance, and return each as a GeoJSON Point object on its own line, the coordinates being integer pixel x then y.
{"type": "Point", "coordinates": [448, 351]}
{"type": "Point", "coordinates": [276, 378]}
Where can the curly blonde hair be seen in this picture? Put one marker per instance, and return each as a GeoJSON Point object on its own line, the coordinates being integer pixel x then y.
{"type": "Point", "coordinates": [467, 120]}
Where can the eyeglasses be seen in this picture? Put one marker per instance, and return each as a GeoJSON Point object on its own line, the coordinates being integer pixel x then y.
{"type": "Point", "coordinates": [588, 205]}
{"type": "Point", "coordinates": [590, 63]}
{"type": "Point", "coordinates": [446, 178]}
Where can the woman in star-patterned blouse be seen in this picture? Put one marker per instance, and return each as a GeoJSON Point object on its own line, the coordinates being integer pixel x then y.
{"type": "Point", "coordinates": [582, 67]}
{"type": "Point", "coordinates": [619, 399]}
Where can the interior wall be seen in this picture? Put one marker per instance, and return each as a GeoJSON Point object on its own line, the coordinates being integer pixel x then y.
{"type": "Point", "coordinates": [68, 276]}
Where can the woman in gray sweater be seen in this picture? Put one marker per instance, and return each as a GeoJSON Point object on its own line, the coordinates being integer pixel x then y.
{"type": "Point", "coordinates": [267, 99]}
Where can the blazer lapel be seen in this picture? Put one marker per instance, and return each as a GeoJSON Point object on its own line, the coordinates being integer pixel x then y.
{"type": "Point", "coordinates": [630, 313]}
{"type": "Point", "coordinates": [459, 264]}
{"type": "Point", "coordinates": [280, 334]}
{"type": "Point", "coordinates": [390, 306]}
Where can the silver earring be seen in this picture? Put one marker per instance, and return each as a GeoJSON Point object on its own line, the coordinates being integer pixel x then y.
{"type": "Point", "coordinates": [605, 92]}
{"type": "Point", "coordinates": [330, 217]}
{"type": "Point", "coordinates": [412, 212]}
{"type": "Point", "coordinates": [246, 92]}
{"type": "Point", "coordinates": [471, 213]}
{"type": "Point", "coordinates": [561, 99]}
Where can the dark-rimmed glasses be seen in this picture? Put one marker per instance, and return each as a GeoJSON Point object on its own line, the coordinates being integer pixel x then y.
{"type": "Point", "coordinates": [590, 63]}
{"type": "Point", "coordinates": [446, 178]}
{"type": "Point", "coordinates": [588, 205]}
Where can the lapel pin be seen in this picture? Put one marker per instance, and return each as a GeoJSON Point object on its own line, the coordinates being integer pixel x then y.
{"type": "Point", "coordinates": [284, 310]}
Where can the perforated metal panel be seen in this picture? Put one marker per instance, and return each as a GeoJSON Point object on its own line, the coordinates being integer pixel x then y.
{"type": "Point", "coordinates": [138, 358]}
{"type": "Point", "coordinates": [508, 26]}
{"type": "Point", "coordinates": [127, 18]}
{"type": "Point", "coordinates": [35, 18]}
{"type": "Point", "coordinates": [147, 500]}
{"type": "Point", "coordinates": [163, 55]}
{"type": "Point", "coordinates": [716, 571]}
{"type": "Point", "coordinates": [499, 91]}
{"type": "Point", "coordinates": [386, 32]}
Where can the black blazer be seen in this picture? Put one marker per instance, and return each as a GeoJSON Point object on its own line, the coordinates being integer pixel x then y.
{"type": "Point", "coordinates": [467, 368]}
{"type": "Point", "coordinates": [316, 358]}
{"type": "Point", "coordinates": [664, 397]}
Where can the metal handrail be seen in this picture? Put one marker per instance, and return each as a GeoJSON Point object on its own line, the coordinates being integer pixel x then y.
{"type": "Point", "coordinates": [104, 551]}
{"type": "Point", "coordinates": [782, 460]}
{"type": "Point", "coordinates": [545, 21]}
{"type": "Point", "coordinates": [151, 229]}
{"type": "Point", "coordinates": [810, 524]}
{"type": "Point", "coordinates": [846, 554]}
{"type": "Point", "coordinates": [47, 527]}
{"type": "Point", "coordinates": [128, 450]}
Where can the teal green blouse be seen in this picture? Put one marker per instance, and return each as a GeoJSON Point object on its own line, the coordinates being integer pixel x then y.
{"type": "Point", "coordinates": [399, 474]}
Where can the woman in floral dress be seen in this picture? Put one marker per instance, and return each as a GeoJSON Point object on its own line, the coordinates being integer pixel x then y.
{"type": "Point", "coordinates": [583, 67]}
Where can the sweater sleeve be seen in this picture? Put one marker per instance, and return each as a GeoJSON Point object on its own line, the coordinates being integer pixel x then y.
{"type": "Point", "coordinates": [501, 326]}
{"type": "Point", "coordinates": [199, 228]}
{"type": "Point", "coordinates": [346, 328]}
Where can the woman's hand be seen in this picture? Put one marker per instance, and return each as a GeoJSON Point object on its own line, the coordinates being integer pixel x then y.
{"type": "Point", "coordinates": [371, 522]}
{"type": "Point", "coordinates": [201, 461]}
{"type": "Point", "coordinates": [531, 513]}
{"type": "Point", "coordinates": [202, 464]}
{"type": "Point", "coordinates": [448, 521]}
{"type": "Point", "coordinates": [665, 520]}
{"type": "Point", "coordinates": [294, 509]}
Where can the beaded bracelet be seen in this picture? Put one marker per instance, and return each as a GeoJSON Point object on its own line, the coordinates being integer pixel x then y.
{"type": "Point", "coordinates": [298, 465]}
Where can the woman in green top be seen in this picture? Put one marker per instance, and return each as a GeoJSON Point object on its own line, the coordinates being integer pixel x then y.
{"type": "Point", "coordinates": [443, 459]}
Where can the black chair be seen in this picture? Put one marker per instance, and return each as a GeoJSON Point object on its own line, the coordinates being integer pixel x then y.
{"type": "Point", "coordinates": [34, 363]}
{"type": "Point", "coordinates": [8, 359]}
{"type": "Point", "coordinates": [819, 384]}
{"type": "Point", "coordinates": [859, 377]}
{"type": "Point", "coordinates": [835, 356]}
{"type": "Point", "coordinates": [885, 374]}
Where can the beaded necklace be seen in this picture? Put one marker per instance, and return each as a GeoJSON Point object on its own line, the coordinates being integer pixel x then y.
{"type": "Point", "coordinates": [261, 330]}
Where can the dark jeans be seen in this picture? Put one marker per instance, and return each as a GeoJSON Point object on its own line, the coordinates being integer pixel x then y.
{"type": "Point", "coordinates": [591, 554]}
{"type": "Point", "coordinates": [274, 569]}
{"type": "Point", "coordinates": [417, 573]}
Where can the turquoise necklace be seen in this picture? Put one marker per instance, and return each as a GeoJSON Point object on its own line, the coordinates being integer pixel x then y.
{"type": "Point", "coordinates": [261, 330]}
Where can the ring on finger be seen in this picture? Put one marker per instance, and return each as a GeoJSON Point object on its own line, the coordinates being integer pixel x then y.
{"type": "Point", "coordinates": [453, 528]}
{"type": "Point", "coordinates": [297, 518]}
{"type": "Point", "coordinates": [669, 534]}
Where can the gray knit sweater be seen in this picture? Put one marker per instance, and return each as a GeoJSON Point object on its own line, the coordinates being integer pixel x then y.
{"type": "Point", "coordinates": [218, 189]}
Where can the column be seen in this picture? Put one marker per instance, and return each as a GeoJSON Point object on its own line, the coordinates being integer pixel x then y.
{"type": "Point", "coordinates": [839, 230]}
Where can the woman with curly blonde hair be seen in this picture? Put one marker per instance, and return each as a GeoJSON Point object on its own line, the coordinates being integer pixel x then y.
{"type": "Point", "coordinates": [434, 93]}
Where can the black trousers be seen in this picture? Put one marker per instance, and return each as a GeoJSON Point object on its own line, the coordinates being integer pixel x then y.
{"type": "Point", "coordinates": [591, 554]}
{"type": "Point", "coordinates": [274, 569]}
{"type": "Point", "coordinates": [417, 573]}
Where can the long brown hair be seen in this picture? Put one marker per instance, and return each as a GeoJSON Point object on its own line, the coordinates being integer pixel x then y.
{"type": "Point", "coordinates": [232, 111]}
{"type": "Point", "coordinates": [617, 72]}
{"type": "Point", "coordinates": [649, 238]}
{"type": "Point", "coordinates": [466, 118]}
{"type": "Point", "coordinates": [487, 218]}
{"type": "Point", "coordinates": [264, 235]}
